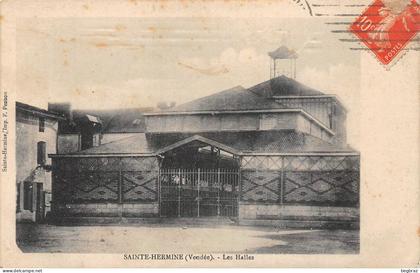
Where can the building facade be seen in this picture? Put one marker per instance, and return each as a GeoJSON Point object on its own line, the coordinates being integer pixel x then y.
{"type": "Point", "coordinates": [272, 153]}
{"type": "Point", "coordinates": [84, 129]}
{"type": "Point", "coordinates": [36, 137]}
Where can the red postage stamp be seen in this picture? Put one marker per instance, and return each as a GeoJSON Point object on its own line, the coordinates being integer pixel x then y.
{"type": "Point", "coordinates": [386, 27]}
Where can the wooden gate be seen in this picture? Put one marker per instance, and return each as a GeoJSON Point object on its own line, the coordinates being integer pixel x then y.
{"type": "Point", "coordinates": [198, 192]}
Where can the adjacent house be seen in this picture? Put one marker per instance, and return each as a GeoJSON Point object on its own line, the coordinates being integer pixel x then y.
{"type": "Point", "coordinates": [36, 137]}
{"type": "Point", "coordinates": [84, 129]}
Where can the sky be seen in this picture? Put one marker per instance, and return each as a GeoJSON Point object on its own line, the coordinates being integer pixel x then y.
{"type": "Point", "coordinates": [103, 63]}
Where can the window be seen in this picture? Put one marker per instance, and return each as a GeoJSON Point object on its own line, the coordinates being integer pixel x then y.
{"type": "Point", "coordinates": [41, 124]}
{"type": "Point", "coordinates": [41, 153]}
{"type": "Point", "coordinates": [331, 117]}
{"type": "Point", "coordinates": [268, 122]}
{"type": "Point", "coordinates": [27, 195]}
{"type": "Point", "coordinates": [18, 197]}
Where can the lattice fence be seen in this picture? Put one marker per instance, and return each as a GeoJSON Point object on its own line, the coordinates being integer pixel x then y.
{"type": "Point", "coordinates": [96, 180]}
{"type": "Point", "coordinates": [139, 186]}
{"type": "Point", "coordinates": [261, 186]}
{"type": "Point", "coordinates": [319, 180]}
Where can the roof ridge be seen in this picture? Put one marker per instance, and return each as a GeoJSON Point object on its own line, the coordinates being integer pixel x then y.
{"type": "Point", "coordinates": [289, 83]}
{"type": "Point", "coordinates": [225, 90]}
{"type": "Point", "coordinates": [208, 96]}
{"type": "Point", "coordinates": [29, 107]}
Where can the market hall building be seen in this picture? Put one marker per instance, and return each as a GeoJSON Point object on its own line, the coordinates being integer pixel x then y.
{"type": "Point", "coordinates": [274, 153]}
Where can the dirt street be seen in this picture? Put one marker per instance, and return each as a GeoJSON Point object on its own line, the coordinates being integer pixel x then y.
{"type": "Point", "coordinates": [197, 239]}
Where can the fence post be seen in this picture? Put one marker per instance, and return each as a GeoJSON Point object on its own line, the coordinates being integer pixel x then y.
{"type": "Point", "coordinates": [120, 186]}
{"type": "Point", "coordinates": [198, 194]}
{"type": "Point", "coordinates": [282, 181]}
{"type": "Point", "coordinates": [218, 192]}
{"type": "Point", "coordinates": [158, 188]}
{"type": "Point", "coordinates": [179, 192]}
{"type": "Point", "coordinates": [240, 183]}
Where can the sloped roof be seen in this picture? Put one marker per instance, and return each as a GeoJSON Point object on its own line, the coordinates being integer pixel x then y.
{"type": "Point", "coordinates": [284, 141]}
{"type": "Point", "coordinates": [136, 144]}
{"type": "Point", "coordinates": [236, 98]}
{"type": "Point", "coordinates": [254, 98]}
{"type": "Point", "coordinates": [283, 86]}
{"type": "Point", "coordinates": [130, 120]}
{"type": "Point", "coordinates": [197, 138]}
{"type": "Point", "coordinates": [37, 111]}
{"type": "Point", "coordinates": [283, 53]}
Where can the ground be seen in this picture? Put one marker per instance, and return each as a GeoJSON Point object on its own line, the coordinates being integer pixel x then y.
{"type": "Point", "coordinates": [154, 238]}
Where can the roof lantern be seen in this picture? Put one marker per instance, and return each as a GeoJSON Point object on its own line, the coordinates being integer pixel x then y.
{"type": "Point", "coordinates": [283, 62]}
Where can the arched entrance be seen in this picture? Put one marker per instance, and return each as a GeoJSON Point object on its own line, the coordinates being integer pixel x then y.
{"type": "Point", "coordinates": [198, 178]}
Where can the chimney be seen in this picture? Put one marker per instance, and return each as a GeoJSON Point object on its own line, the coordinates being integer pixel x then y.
{"type": "Point", "coordinates": [62, 108]}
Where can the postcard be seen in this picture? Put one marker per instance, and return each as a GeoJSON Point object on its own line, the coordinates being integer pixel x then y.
{"type": "Point", "coordinates": [209, 133]}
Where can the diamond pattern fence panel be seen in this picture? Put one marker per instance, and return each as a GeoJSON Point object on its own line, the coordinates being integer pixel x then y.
{"type": "Point", "coordinates": [139, 186]}
{"type": "Point", "coordinates": [104, 180]}
{"type": "Point", "coordinates": [261, 186]}
{"type": "Point", "coordinates": [309, 180]}
{"type": "Point", "coordinates": [322, 187]}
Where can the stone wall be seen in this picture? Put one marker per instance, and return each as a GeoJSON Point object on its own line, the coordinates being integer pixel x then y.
{"type": "Point", "coordinates": [294, 216]}
{"type": "Point", "coordinates": [289, 212]}
{"type": "Point", "coordinates": [108, 210]}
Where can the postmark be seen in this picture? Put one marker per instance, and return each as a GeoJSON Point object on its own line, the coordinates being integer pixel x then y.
{"type": "Point", "coordinates": [386, 27]}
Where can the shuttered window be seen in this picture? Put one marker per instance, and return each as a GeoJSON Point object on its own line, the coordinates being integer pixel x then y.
{"type": "Point", "coordinates": [41, 153]}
